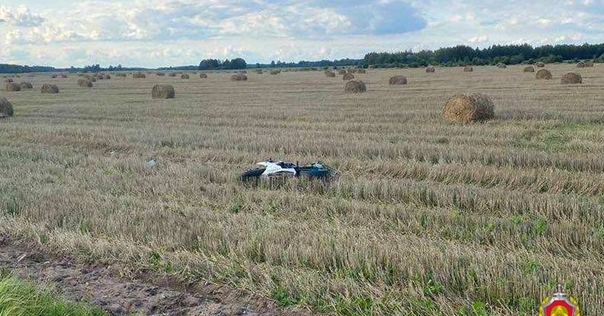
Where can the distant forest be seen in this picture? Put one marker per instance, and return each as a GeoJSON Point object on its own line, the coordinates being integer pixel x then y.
{"type": "Point", "coordinates": [448, 57]}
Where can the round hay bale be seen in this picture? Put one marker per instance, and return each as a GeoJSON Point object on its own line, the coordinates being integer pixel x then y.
{"type": "Point", "coordinates": [468, 69]}
{"type": "Point", "coordinates": [63, 76]}
{"type": "Point", "coordinates": [330, 74]}
{"type": "Point", "coordinates": [239, 77]}
{"type": "Point", "coordinates": [202, 75]}
{"type": "Point", "coordinates": [571, 78]}
{"type": "Point", "coordinates": [162, 91]}
{"type": "Point", "coordinates": [53, 76]}
{"type": "Point", "coordinates": [11, 86]}
{"type": "Point", "coordinates": [528, 69]}
{"type": "Point", "coordinates": [464, 109]}
{"type": "Point", "coordinates": [501, 65]}
{"type": "Point", "coordinates": [84, 83]}
{"type": "Point", "coordinates": [351, 70]}
{"type": "Point", "coordinates": [172, 74]}
{"type": "Point", "coordinates": [160, 74]}
{"type": "Point", "coordinates": [348, 76]}
{"type": "Point", "coordinates": [540, 65]}
{"type": "Point", "coordinates": [26, 85]}
{"type": "Point", "coordinates": [398, 80]}
{"type": "Point", "coordinates": [49, 88]}
{"type": "Point", "coordinates": [543, 74]}
{"type": "Point", "coordinates": [580, 64]}
{"type": "Point", "coordinates": [354, 86]}
{"type": "Point", "coordinates": [361, 71]}
{"type": "Point", "coordinates": [430, 69]}
{"type": "Point", "coordinates": [275, 72]}
{"type": "Point", "coordinates": [184, 76]}
{"type": "Point", "coordinates": [342, 72]}
{"type": "Point", "coordinates": [6, 108]}
{"type": "Point", "coordinates": [259, 71]}
{"type": "Point", "coordinates": [589, 63]}
{"type": "Point", "coordinates": [139, 75]}
{"type": "Point", "coordinates": [107, 77]}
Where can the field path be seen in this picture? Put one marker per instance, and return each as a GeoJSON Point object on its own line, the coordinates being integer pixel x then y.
{"type": "Point", "coordinates": [146, 294]}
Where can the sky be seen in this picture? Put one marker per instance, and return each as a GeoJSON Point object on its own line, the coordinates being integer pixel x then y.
{"type": "Point", "coordinates": [150, 33]}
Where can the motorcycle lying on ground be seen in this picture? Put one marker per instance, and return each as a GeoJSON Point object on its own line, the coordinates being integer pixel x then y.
{"type": "Point", "coordinates": [279, 170]}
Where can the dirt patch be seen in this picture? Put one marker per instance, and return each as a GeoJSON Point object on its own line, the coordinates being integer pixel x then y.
{"type": "Point", "coordinates": [147, 294]}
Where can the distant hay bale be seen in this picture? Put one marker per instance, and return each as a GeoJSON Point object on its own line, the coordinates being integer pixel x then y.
{"type": "Point", "coordinates": [63, 75]}
{"type": "Point", "coordinates": [84, 83]}
{"type": "Point", "coordinates": [53, 76]}
{"type": "Point", "coordinates": [26, 85]}
{"type": "Point", "coordinates": [6, 108]}
{"type": "Point", "coordinates": [351, 70]}
{"type": "Point", "coordinates": [348, 76]}
{"type": "Point", "coordinates": [11, 86]}
{"type": "Point", "coordinates": [160, 74]}
{"type": "Point", "coordinates": [430, 69]}
{"type": "Point", "coordinates": [361, 71]}
{"type": "Point", "coordinates": [342, 72]}
{"type": "Point", "coordinates": [330, 73]}
{"type": "Point", "coordinates": [571, 78]}
{"type": "Point", "coordinates": [275, 72]}
{"type": "Point", "coordinates": [184, 76]}
{"type": "Point", "coordinates": [107, 77]}
{"type": "Point", "coordinates": [398, 80]}
{"type": "Point", "coordinates": [543, 74]}
{"type": "Point", "coordinates": [121, 75]}
{"type": "Point", "coordinates": [580, 64]}
{"type": "Point", "coordinates": [162, 91]}
{"type": "Point", "coordinates": [239, 77]}
{"type": "Point", "coordinates": [468, 68]}
{"type": "Point", "coordinates": [464, 109]}
{"type": "Point", "coordinates": [138, 75]}
{"type": "Point", "coordinates": [528, 69]}
{"type": "Point", "coordinates": [49, 88]}
{"type": "Point", "coordinates": [589, 63]}
{"type": "Point", "coordinates": [202, 75]}
{"type": "Point", "coordinates": [259, 71]}
{"type": "Point", "coordinates": [172, 74]}
{"type": "Point", "coordinates": [354, 86]}
{"type": "Point", "coordinates": [540, 65]}
{"type": "Point", "coordinates": [501, 65]}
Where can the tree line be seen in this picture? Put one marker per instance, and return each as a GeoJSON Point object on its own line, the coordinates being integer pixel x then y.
{"type": "Point", "coordinates": [506, 54]}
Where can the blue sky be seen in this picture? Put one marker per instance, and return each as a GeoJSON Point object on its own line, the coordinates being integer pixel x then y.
{"type": "Point", "coordinates": [152, 33]}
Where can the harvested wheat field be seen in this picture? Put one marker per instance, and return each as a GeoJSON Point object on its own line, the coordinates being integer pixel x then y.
{"type": "Point", "coordinates": [425, 218]}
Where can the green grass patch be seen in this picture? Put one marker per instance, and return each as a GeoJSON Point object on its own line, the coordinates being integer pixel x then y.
{"type": "Point", "coordinates": [22, 298]}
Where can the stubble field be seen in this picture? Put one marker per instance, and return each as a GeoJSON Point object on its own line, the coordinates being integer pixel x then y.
{"type": "Point", "coordinates": [426, 218]}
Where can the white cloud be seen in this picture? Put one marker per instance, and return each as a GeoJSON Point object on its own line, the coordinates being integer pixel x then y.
{"type": "Point", "coordinates": [20, 16]}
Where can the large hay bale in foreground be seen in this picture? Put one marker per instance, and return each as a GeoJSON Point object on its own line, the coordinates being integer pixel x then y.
{"type": "Point", "coordinates": [543, 74]}
{"type": "Point", "coordinates": [430, 69]}
{"type": "Point", "coordinates": [468, 69]}
{"type": "Point", "coordinates": [11, 86]}
{"type": "Point", "coordinates": [239, 77]}
{"type": "Point", "coordinates": [85, 83]}
{"type": "Point", "coordinates": [348, 76]}
{"type": "Point", "coordinates": [49, 88]}
{"type": "Point", "coordinates": [528, 69]}
{"type": "Point", "coordinates": [163, 91]}
{"type": "Point", "coordinates": [184, 76]}
{"type": "Point", "coordinates": [202, 75]}
{"type": "Point", "coordinates": [26, 85]}
{"type": "Point", "coordinates": [464, 109]}
{"type": "Point", "coordinates": [571, 78]}
{"type": "Point", "coordinates": [330, 74]}
{"type": "Point", "coordinates": [138, 75]}
{"type": "Point", "coordinates": [398, 80]}
{"type": "Point", "coordinates": [354, 86]}
{"type": "Point", "coordinates": [6, 108]}
{"type": "Point", "coordinates": [540, 65]}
